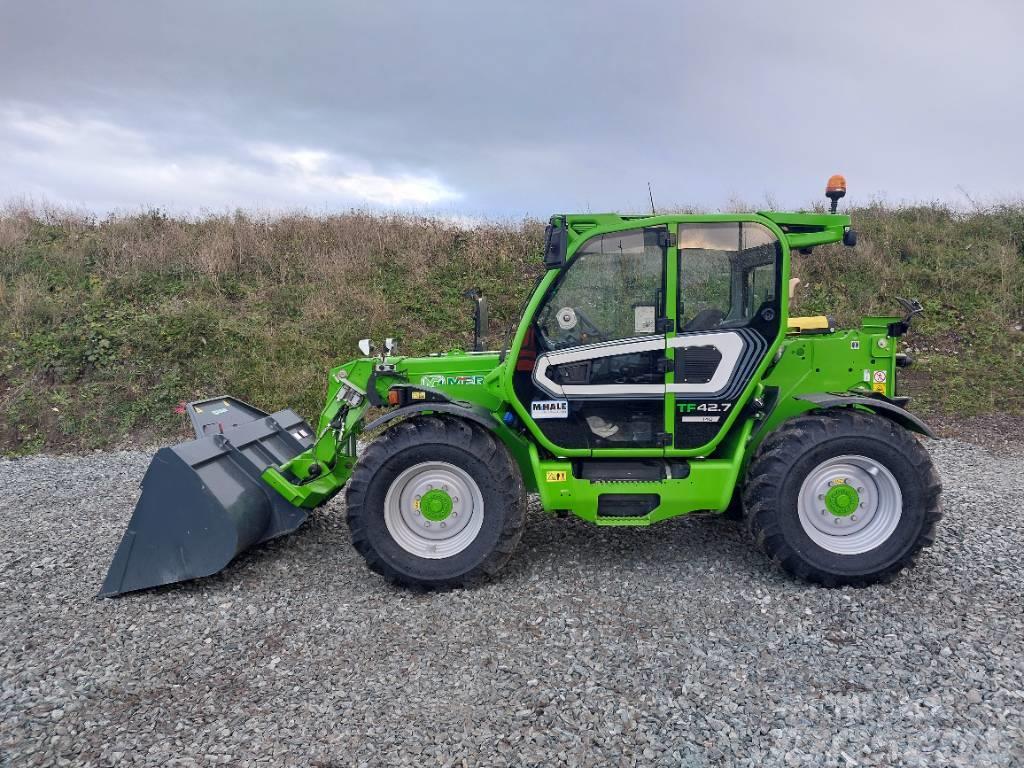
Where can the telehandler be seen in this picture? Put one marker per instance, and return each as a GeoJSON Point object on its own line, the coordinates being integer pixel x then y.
{"type": "Point", "coordinates": [655, 372]}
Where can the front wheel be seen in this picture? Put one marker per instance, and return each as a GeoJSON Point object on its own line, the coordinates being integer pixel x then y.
{"type": "Point", "coordinates": [436, 502]}
{"type": "Point", "coordinates": [842, 497]}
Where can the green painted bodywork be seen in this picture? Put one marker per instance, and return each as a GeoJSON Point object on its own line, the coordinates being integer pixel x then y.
{"type": "Point", "coordinates": [860, 360]}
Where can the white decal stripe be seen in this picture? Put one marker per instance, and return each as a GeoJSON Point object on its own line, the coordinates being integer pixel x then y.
{"type": "Point", "coordinates": [624, 347]}
{"type": "Point", "coordinates": [613, 390]}
{"type": "Point", "coordinates": [590, 352]}
{"type": "Point", "coordinates": [729, 343]}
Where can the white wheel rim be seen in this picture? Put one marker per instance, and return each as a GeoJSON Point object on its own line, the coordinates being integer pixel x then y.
{"type": "Point", "coordinates": [876, 501]}
{"type": "Point", "coordinates": [423, 533]}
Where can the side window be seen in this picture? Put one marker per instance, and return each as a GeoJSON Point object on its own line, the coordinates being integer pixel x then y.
{"type": "Point", "coordinates": [728, 275]}
{"type": "Point", "coordinates": [610, 290]}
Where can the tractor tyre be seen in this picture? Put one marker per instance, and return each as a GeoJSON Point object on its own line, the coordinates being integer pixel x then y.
{"type": "Point", "coordinates": [842, 497]}
{"type": "Point", "coordinates": [436, 502]}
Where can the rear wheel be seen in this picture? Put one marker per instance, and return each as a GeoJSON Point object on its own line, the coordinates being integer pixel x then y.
{"type": "Point", "coordinates": [842, 497]}
{"type": "Point", "coordinates": [436, 502]}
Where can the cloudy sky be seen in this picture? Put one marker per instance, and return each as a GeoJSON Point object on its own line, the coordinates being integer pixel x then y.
{"type": "Point", "coordinates": [481, 108]}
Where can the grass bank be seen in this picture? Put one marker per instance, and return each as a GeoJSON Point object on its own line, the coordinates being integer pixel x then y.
{"type": "Point", "coordinates": [108, 324]}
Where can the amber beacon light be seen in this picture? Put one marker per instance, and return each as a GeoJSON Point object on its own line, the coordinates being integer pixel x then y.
{"type": "Point", "coordinates": [835, 189]}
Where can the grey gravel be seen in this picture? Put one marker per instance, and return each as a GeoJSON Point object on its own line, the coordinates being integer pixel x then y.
{"type": "Point", "coordinates": [676, 645]}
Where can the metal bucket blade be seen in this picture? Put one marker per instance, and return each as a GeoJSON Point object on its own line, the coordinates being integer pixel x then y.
{"type": "Point", "coordinates": [203, 503]}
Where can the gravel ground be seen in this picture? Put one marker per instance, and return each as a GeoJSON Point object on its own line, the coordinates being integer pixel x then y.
{"type": "Point", "coordinates": [674, 645]}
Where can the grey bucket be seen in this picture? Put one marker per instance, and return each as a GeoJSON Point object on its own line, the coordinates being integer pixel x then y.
{"type": "Point", "coordinates": [203, 501]}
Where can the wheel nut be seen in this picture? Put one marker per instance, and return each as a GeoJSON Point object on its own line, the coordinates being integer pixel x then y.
{"type": "Point", "coordinates": [442, 525]}
{"type": "Point", "coordinates": [853, 518]}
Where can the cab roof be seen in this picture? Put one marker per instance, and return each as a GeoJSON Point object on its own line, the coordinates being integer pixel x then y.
{"type": "Point", "coordinates": [800, 229]}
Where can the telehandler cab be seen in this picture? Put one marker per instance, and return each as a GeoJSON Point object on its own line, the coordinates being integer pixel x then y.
{"type": "Point", "coordinates": [655, 372]}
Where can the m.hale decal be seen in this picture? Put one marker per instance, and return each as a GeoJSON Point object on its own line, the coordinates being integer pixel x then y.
{"type": "Point", "coordinates": [549, 409]}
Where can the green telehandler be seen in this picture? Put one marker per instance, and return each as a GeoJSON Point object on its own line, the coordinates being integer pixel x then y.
{"type": "Point", "coordinates": [655, 372]}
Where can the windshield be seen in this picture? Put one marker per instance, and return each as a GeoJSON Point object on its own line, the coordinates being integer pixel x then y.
{"type": "Point", "coordinates": [612, 289]}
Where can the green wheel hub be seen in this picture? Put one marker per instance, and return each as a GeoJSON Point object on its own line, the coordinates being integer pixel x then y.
{"type": "Point", "coordinates": [842, 500]}
{"type": "Point", "coordinates": [436, 505]}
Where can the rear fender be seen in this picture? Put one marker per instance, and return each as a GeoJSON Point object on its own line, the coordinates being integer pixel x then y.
{"type": "Point", "coordinates": [881, 406]}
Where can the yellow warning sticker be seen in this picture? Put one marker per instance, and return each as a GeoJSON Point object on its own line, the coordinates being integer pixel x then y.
{"type": "Point", "coordinates": [837, 481]}
{"type": "Point", "coordinates": [416, 504]}
{"type": "Point", "coordinates": [879, 386]}
{"type": "Point", "coordinates": [557, 476]}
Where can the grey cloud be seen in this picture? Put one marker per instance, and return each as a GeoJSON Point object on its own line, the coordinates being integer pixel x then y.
{"type": "Point", "coordinates": [519, 108]}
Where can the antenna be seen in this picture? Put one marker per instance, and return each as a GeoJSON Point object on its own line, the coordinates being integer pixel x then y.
{"type": "Point", "coordinates": [649, 192]}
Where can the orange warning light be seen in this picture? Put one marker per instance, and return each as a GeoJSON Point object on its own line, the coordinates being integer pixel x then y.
{"type": "Point", "coordinates": [836, 184]}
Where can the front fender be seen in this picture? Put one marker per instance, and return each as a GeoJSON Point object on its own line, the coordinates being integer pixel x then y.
{"type": "Point", "coordinates": [882, 406]}
{"type": "Point", "coordinates": [470, 411]}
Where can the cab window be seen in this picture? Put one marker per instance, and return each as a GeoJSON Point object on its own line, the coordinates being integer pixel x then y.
{"type": "Point", "coordinates": [729, 275]}
{"type": "Point", "coordinates": [611, 290]}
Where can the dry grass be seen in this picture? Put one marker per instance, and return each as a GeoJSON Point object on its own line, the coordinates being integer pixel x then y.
{"type": "Point", "coordinates": [109, 323]}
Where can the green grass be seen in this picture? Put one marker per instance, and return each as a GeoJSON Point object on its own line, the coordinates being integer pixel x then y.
{"type": "Point", "coordinates": [107, 325]}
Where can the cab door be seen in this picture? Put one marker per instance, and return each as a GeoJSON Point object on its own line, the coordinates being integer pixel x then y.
{"type": "Point", "coordinates": [597, 380]}
{"type": "Point", "coordinates": [728, 315]}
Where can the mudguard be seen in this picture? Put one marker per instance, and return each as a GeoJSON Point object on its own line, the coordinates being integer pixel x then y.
{"type": "Point", "coordinates": [882, 406]}
{"type": "Point", "coordinates": [464, 410]}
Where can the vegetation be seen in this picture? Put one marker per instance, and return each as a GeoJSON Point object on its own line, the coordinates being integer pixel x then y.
{"type": "Point", "coordinates": [109, 325]}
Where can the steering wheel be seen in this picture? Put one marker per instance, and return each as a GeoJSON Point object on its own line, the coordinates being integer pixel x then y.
{"type": "Point", "coordinates": [574, 326]}
{"type": "Point", "coordinates": [705, 320]}
{"type": "Point", "coordinates": [588, 327]}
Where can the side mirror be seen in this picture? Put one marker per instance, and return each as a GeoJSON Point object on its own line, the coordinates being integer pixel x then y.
{"type": "Point", "coordinates": [390, 346]}
{"type": "Point", "coordinates": [479, 317]}
{"type": "Point", "coordinates": [556, 244]}
{"type": "Point", "coordinates": [366, 347]}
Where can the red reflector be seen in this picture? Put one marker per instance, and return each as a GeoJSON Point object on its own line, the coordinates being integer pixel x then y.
{"type": "Point", "coordinates": [392, 397]}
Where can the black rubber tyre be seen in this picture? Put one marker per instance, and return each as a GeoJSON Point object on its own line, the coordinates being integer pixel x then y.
{"type": "Point", "coordinates": [786, 458]}
{"type": "Point", "coordinates": [468, 447]}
